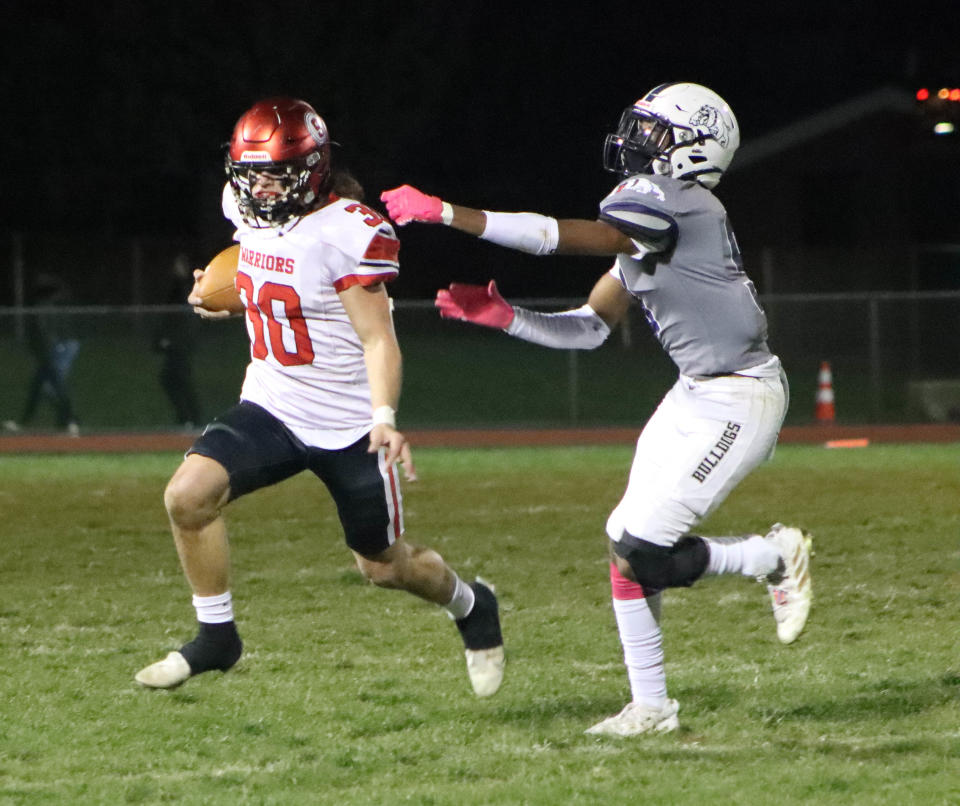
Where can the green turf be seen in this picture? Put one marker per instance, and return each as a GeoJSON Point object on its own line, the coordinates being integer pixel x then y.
{"type": "Point", "coordinates": [352, 695]}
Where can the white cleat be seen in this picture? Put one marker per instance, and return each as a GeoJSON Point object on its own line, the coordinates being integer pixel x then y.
{"type": "Point", "coordinates": [485, 667]}
{"type": "Point", "coordinates": [481, 629]}
{"type": "Point", "coordinates": [790, 586]}
{"type": "Point", "coordinates": [639, 718]}
{"type": "Point", "coordinates": [167, 673]}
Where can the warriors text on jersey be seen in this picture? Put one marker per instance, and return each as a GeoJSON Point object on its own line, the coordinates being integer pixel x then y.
{"type": "Point", "coordinates": [688, 275]}
{"type": "Point", "coordinates": [307, 365]}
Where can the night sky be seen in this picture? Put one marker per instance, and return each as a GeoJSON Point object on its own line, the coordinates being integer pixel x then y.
{"type": "Point", "coordinates": [116, 114]}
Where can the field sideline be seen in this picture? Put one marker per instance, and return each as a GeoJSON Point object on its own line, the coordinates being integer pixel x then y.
{"type": "Point", "coordinates": [351, 695]}
{"type": "Point", "coordinates": [126, 442]}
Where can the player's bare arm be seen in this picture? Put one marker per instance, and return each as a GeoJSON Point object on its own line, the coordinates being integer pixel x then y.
{"type": "Point", "coordinates": [575, 236]}
{"type": "Point", "coordinates": [467, 219]}
{"type": "Point", "coordinates": [609, 300]}
{"type": "Point", "coordinates": [369, 310]}
{"type": "Point", "coordinates": [527, 232]}
{"type": "Point", "coordinates": [581, 237]}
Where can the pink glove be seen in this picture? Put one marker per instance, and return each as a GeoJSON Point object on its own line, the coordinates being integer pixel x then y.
{"type": "Point", "coordinates": [482, 305]}
{"type": "Point", "coordinates": [406, 204]}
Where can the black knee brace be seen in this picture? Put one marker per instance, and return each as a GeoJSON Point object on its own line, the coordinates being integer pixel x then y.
{"type": "Point", "coordinates": [657, 567]}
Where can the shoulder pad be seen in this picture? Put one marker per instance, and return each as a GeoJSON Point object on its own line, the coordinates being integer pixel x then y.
{"type": "Point", "coordinates": [641, 223]}
{"type": "Point", "coordinates": [639, 207]}
{"type": "Point", "coordinates": [359, 232]}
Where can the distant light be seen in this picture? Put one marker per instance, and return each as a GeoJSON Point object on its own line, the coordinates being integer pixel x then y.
{"type": "Point", "coordinates": [944, 127]}
{"type": "Point", "coordinates": [922, 94]}
{"type": "Point", "coordinates": [955, 95]}
{"type": "Point", "coordinates": [943, 94]}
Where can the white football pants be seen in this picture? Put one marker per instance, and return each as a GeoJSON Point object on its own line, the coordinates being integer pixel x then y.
{"type": "Point", "coordinates": [704, 438]}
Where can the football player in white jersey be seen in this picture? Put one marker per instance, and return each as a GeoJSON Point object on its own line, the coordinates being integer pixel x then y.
{"type": "Point", "coordinates": [677, 257]}
{"type": "Point", "coordinates": [320, 392]}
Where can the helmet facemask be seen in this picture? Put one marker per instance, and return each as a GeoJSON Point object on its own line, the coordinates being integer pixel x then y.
{"type": "Point", "coordinates": [272, 193]}
{"type": "Point", "coordinates": [643, 143]}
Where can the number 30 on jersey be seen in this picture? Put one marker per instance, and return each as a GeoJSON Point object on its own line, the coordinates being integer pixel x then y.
{"type": "Point", "coordinates": [269, 340]}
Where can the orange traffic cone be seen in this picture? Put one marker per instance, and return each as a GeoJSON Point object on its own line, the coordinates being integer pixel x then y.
{"type": "Point", "coordinates": [825, 412]}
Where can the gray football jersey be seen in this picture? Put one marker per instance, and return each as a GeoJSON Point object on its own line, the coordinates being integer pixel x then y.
{"type": "Point", "coordinates": [687, 274]}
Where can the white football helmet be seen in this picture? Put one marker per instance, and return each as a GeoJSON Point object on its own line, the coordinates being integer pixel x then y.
{"type": "Point", "coordinates": [681, 130]}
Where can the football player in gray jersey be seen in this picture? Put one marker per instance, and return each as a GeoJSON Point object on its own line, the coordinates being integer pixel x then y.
{"type": "Point", "coordinates": [676, 255]}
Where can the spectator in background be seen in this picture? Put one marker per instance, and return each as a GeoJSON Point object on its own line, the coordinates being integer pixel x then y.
{"type": "Point", "coordinates": [175, 343]}
{"type": "Point", "coordinates": [51, 337]}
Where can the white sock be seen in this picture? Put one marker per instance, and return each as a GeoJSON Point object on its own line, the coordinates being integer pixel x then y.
{"type": "Point", "coordinates": [751, 556]}
{"type": "Point", "coordinates": [462, 602]}
{"type": "Point", "coordinates": [638, 621]}
{"type": "Point", "coordinates": [214, 609]}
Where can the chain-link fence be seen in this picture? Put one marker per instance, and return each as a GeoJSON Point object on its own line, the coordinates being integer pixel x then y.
{"type": "Point", "coordinates": [895, 358]}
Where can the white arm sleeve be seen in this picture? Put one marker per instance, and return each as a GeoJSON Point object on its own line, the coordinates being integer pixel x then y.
{"type": "Point", "coordinates": [578, 329]}
{"type": "Point", "coordinates": [526, 232]}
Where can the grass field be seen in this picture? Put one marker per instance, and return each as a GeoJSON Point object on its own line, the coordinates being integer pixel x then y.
{"type": "Point", "coordinates": [353, 695]}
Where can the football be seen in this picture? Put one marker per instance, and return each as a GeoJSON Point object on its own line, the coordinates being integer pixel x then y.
{"type": "Point", "coordinates": [217, 287]}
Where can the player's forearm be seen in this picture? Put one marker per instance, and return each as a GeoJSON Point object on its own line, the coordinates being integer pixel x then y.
{"type": "Point", "coordinates": [467, 220]}
{"type": "Point", "coordinates": [526, 232]}
{"type": "Point", "coordinates": [578, 329]}
{"type": "Point", "coordinates": [538, 234]}
{"type": "Point", "coordinates": [384, 373]}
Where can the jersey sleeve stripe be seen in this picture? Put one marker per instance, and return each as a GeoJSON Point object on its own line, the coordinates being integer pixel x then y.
{"type": "Point", "coordinates": [638, 215]}
{"type": "Point", "coordinates": [382, 249]}
{"type": "Point", "coordinates": [343, 283]}
{"type": "Point", "coordinates": [396, 509]}
{"type": "Point", "coordinates": [641, 223]}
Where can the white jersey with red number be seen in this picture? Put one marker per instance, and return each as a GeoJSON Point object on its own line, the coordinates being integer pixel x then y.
{"type": "Point", "coordinates": [307, 366]}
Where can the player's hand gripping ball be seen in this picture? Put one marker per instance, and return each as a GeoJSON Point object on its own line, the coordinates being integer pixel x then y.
{"type": "Point", "coordinates": [215, 289]}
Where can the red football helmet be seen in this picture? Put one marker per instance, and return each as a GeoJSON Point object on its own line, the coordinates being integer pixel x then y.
{"type": "Point", "coordinates": [281, 144]}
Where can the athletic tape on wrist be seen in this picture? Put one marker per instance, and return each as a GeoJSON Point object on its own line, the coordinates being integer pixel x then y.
{"type": "Point", "coordinates": [385, 415]}
{"type": "Point", "coordinates": [446, 213]}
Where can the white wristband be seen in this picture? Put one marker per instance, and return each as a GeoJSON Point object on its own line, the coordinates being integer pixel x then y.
{"type": "Point", "coordinates": [385, 415]}
{"type": "Point", "coordinates": [446, 213]}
